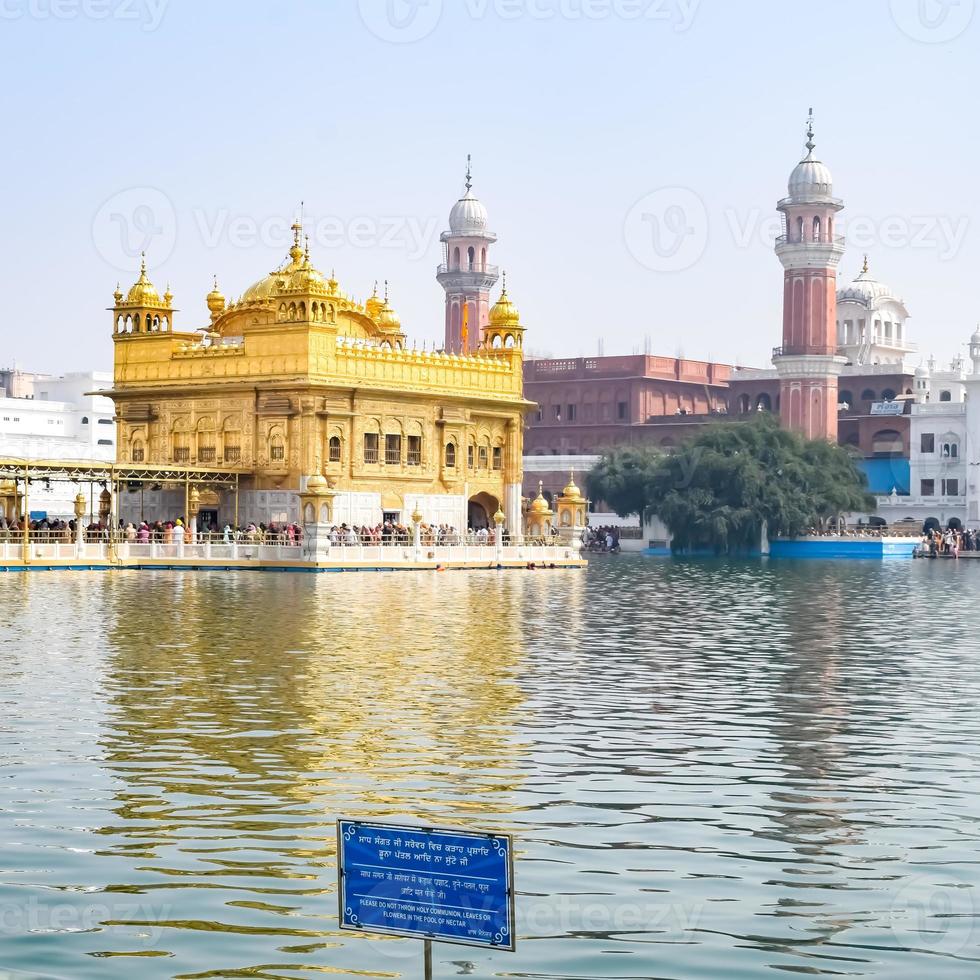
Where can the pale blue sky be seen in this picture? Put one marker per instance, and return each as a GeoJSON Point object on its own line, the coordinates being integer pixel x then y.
{"type": "Point", "coordinates": [574, 111]}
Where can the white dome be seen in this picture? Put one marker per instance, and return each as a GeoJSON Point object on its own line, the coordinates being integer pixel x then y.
{"type": "Point", "coordinates": [921, 372]}
{"type": "Point", "coordinates": [865, 290]}
{"type": "Point", "coordinates": [468, 217]}
{"type": "Point", "coordinates": [975, 339]}
{"type": "Point", "coordinates": [811, 180]}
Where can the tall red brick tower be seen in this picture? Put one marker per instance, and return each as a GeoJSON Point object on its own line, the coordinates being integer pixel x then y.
{"type": "Point", "coordinates": [810, 252]}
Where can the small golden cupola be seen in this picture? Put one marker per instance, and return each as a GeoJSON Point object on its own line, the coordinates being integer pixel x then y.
{"type": "Point", "coordinates": [572, 505]}
{"type": "Point", "coordinates": [390, 324]}
{"type": "Point", "coordinates": [374, 304]}
{"type": "Point", "coordinates": [216, 301]}
{"type": "Point", "coordinates": [539, 515]}
{"type": "Point", "coordinates": [142, 311]}
{"type": "Point", "coordinates": [504, 330]}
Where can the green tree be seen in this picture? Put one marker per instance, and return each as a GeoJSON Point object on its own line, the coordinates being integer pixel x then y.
{"type": "Point", "coordinates": [622, 478]}
{"type": "Point", "coordinates": [720, 489]}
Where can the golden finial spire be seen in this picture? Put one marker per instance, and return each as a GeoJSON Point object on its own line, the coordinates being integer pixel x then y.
{"type": "Point", "coordinates": [306, 253]}
{"type": "Point", "coordinates": [864, 271]}
{"type": "Point", "coordinates": [503, 291]}
{"type": "Point", "coordinates": [386, 292]}
{"type": "Point", "coordinates": [469, 173]}
{"type": "Point", "coordinates": [810, 145]}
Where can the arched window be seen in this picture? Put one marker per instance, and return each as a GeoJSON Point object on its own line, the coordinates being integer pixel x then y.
{"type": "Point", "coordinates": [333, 449]}
{"type": "Point", "coordinates": [799, 229]}
{"type": "Point", "coordinates": [283, 312]}
{"type": "Point", "coordinates": [292, 311]}
{"type": "Point", "coordinates": [471, 256]}
{"type": "Point", "coordinates": [950, 448]}
{"type": "Point", "coordinates": [277, 447]}
{"type": "Point", "coordinates": [450, 455]}
{"type": "Point", "coordinates": [302, 311]}
{"type": "Point", "coordinates": [763, 403]}
{"type": "Point", "coordinates": [84, 420]}
{"type": "Point", "coordinates": [483, 260]}
{"type": "Point", "coordinates": [888, 395]}
{"type": "Point", "coordinates": [138, 451]}
{"type": "Point", "coordinates": [816, 229]}
{"type": "Point", "coordinates": [509, 341]}
{"type": "Point", "coordinates": [744, 404]}
{"type": "Point", "coordinates": [136, 323]}
{"type": "Point", "coordinates": [497, 342]}
{"type": "Point", "coordinates": [887, 443]}
{"type": "Point", "coordinates": [867, 395]}
{"type": "Point", "coordinates": [845, 398]}
{"type": "Point", "coordinates": [945, 396]}
{"type": "Point", "coordinates": [456, 257]}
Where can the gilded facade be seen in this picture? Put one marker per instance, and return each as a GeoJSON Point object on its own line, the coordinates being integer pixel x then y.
{"type": "Point", "coordinates": [296, 379]}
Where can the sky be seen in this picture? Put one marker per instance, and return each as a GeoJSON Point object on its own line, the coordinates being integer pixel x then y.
{"type": "Point", "coordinates": [630, 154]}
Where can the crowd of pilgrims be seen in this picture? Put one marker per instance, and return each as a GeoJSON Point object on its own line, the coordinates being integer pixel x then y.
{"type": "Point", "coordinates": [950, 542]}
{"type": "Point", "coordinates": [173, 531]}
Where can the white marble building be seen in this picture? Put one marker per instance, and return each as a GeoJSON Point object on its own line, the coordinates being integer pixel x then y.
{"type": "Point", "coordinates": [56, 419]}
{"type": "Point", "coordinates": [872, 323]}
{"type": "Point", "coordinates": [938, 440]}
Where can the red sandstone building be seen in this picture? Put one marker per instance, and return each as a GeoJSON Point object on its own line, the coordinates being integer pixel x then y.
{"type": "Point", "coordinates": [587, 405]}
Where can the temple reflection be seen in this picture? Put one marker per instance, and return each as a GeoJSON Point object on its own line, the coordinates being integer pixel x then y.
{"type": "Point", "coordinates": [256, 701]}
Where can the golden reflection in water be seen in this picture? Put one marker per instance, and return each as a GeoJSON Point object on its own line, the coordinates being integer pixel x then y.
{"type": "Point", "coordinates": [380, 694]}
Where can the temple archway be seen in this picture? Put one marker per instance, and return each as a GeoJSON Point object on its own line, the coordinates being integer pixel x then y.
{"type": "Point", "coordinates": [481, 509]}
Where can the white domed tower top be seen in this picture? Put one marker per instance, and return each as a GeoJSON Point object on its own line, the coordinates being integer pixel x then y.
{"type": "Point", "coordinates": [465, 273]}
{"type": "Point", "coordinates": [811, 181]}
{"type": "Point", "coordinates": [468, 217]}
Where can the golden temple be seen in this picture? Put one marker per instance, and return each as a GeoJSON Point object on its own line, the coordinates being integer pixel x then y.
{"type": "Point", "coordinates": [296, 381]}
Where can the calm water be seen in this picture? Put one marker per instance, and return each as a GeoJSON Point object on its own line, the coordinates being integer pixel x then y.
{"type": "Point", "coordinates": [713, 770]}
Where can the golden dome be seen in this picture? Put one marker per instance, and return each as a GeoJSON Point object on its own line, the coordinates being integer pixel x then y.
{"type": "Point", "coordinates": [540, 505]}
{"type": "Point", "coordinates": [216, 299]}
{"type": "Point", "coordinates": [143, 292]}
{"type": "Point", "coordinates": [316, 483]}
{"type": "Point", "coordinates": [571, 490]}
{"type": "Point", "coordinates": [387, 319]}
{"type": "Point", "coordinates": [504, 313]}
{"type": "Point", "coordinates": [374, 304]}
{"type": "Point", "coordinates": [298, 275]}
{"type": "Point", "coordinates": [499, 517]}
{"type": "Point", "coordinates": [264, 288]}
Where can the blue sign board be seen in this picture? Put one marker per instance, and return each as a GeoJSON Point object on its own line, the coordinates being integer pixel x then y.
{"type": "Point", "coordinates": [449, 886]}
